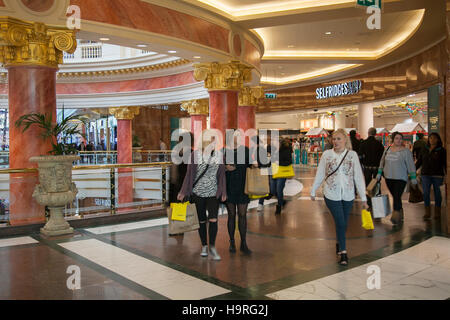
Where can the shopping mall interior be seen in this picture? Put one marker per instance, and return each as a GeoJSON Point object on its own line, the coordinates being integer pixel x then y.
{"type": "Point", "coordinates": [94, 96]}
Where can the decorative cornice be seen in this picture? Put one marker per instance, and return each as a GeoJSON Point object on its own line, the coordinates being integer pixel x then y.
{"type": "Point", "coordinates": [107, 73]}
{"type": "Point", "coordinates": [223, 76]}
{"type": "Point", "coordinates": [124, 113]}
{"type": "Point", "coordinates": [196, 107]}
{"type": "Point", "coordinates": [249, 96]}
{"type": "Point", "coordinates": [34, 43]}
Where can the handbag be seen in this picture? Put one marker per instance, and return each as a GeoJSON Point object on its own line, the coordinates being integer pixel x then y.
{"type": "Point", "coordinates": [373, 188]}
{"type": "Point", "coordinates": [367, 222]}
{"type": "Point", "coordinates": [381, 207]}
{"type": "Point", "coordinates": [256, 183]}
{"type": "Point", "coordinates": [190, 224]}
{"type": "Point", "coordinates": [415, 195]}
{"type": "Point", "coordinates": [280, 172]}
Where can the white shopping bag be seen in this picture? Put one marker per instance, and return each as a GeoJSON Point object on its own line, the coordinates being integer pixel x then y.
{"type": "Point", "coordinates": [381, 206]}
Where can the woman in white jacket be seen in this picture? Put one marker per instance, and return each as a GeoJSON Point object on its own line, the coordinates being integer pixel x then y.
{"type": "Point", "coordinates": [341, 170]}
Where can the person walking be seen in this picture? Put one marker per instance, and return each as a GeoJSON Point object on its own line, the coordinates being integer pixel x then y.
{"type": "Point", "coordinates": [354, 140]}
{"type": "Point", "coordinates": [419, 146]}
{"type": "Point", "coordinates": [433, 161]}
{"type": "Point", "coordinates": [262, 156]}
{"type": "Point", "coordinates": [277, 185]}
{"type": "Point", "coordinates": [205, 184]}
{"type": "Point", "coordinates": [396, 166]}
{"type": "Point", "coordinates": [370, 153]}
{"type": "Point", "coordinates": [237, 161]}
{"type": "Point", "coordinates": [341, 171]}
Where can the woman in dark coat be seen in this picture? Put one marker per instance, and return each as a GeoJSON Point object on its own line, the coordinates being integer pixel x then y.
{"type": "Point", "coordinates": [237, 161]}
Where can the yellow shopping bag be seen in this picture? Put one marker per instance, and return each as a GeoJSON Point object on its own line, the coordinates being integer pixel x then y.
{"type": "Point", "coordinates": [367, 222]}
{"type": "Point", "coordinates": [253, 197]}
{"type": "Point", "coordinates": [279, 172]}
{"type": "Point", "coordinates": [179, 211]}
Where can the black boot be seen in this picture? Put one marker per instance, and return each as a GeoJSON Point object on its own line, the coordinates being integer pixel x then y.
{"type": "Point", "coordinates": [244, 248]}
{"type": "Point", "coordinates": [344, 259]}
{"type": "Point", "coordinates": [278, 211]}
{"type": "Point", "coordinates": [232, 246]}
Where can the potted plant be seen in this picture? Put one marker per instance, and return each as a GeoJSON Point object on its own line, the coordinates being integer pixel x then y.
{"type": "Point", "coordinates": [56, 188]}
{"type": "Point", "coordinates": [137, 156]}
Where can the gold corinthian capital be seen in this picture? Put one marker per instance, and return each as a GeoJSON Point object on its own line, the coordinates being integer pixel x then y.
{"type": "Point", "coordinates": [196, 107]}
{"type": "Point", "coordinates": [223, 76]}
{"type": "Point", "coordinates": [249, 96]}
{"type": "Point", "coordinates": [124, 113]}
{"type": "Point", "coordinates": [34, 43]}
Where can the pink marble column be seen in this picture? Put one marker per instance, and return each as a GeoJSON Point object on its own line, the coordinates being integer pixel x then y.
{"type": "Point", "coordinates": [125, 155]}
{"type": "Point", "coordinates": [32, 89]}
{"type": "Point", "coordinates": [223, 110]}
{"type": "Point", "coordinates": [246, 119]}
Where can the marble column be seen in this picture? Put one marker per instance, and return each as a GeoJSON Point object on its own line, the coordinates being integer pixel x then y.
{"type": "Point", "coordinates": [198, 109]}
{"type": "Point", "coordinates": [32, 89]}
{"type": "Point", "coordinates": [124, 116]}
{"type": "Point", "coordinates": [248, 101]}
{"type": "Point", "coordinates": [223, 81]}
{"type": "Point", "coordinates": [365, 119]}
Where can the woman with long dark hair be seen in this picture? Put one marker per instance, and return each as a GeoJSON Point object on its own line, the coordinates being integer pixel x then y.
{"type": "Point", "coordinates": [433, 161]}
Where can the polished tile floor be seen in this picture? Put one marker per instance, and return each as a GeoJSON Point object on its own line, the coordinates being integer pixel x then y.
{"type": "Point", "coordinates": [293, 258]}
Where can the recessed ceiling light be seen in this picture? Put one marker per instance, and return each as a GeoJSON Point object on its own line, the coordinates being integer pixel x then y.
{"type": "Point", "coordinates": [291, 46]}
{"type": "Point", "coordinates": [196, 57]}
{"type": "Point", "coordinates": [104, 39]}
{"type": "Point", "coordinates": [142, 45]}
{"type": "Point", "coordinates": [328, 32]}
{"type": "Point", "coordinates": [171, 51]}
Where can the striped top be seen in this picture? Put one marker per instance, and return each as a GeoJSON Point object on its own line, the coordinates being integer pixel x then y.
{"type": "Point", "coordinates": [206, 187]}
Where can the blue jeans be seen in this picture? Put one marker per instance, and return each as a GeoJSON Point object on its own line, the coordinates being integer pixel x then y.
{"type": "Point", "coordinates": [427, 181]}
{"type": "Point", "coordinates": [276, 188]}
{"type": "Point", "coordinates": [341, 212]}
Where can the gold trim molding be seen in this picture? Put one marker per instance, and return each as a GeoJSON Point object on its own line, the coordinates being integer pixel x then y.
{"type": "Point", "coordinates": [34, 43]}
{"type": "Point", "coordinates": [124, 113]}
{"type": "Point", "coordinates": [223, 76]}
{"type": "Point", "coordinates": [249, 96]}
{"type": "Point", "coordinates": [196, 107]}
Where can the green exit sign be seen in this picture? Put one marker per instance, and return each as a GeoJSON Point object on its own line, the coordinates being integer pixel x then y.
{"type": "Point", "coordinates": [369, 3]}
{"type": "Point", "coordinates": [271, 95]}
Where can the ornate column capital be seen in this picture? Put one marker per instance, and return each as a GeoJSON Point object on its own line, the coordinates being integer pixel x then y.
{"type": "Point", "coordinates": [124, 113]}
{"type": "Point", "coordinates": [196, 107]}
{"type": "Point", "coordinates": [249, 96]}
{"type": "Point", "coordinates": [223, 76]}
{"type": "Point", "coordinates": [34, 43]}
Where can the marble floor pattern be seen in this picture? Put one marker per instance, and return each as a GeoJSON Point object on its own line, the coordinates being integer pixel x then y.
{"type": "Point", "coordinates": [418, 273]}
{"type": "Point", "coordinates": [293, 258]}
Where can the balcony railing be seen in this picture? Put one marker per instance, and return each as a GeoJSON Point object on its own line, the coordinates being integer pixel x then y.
{"type": "Point", "coordinates": [103, 190]}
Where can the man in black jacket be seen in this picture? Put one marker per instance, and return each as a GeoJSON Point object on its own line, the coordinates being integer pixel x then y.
{"type": "Point", "coordinates": [370, 152]}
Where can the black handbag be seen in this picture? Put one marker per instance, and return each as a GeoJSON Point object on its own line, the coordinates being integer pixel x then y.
{"type": "Point", "coordinates": [415, 195]}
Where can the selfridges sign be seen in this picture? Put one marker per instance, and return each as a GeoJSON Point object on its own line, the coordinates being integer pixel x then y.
{"type": "Point", "coordinates": [339, 90]}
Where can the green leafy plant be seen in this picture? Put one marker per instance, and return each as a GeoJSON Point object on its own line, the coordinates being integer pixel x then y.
{"type": "Point", "coordinates": [136, 142]}
{"type": "Point", "coordinates": [58, 133]}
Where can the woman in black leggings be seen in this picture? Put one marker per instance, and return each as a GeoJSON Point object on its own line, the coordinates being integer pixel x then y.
{"type": "Point", "coordinates": [237, 162]}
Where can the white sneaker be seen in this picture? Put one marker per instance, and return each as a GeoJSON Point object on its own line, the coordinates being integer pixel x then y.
{"type": "Point", "coordinates": [204, 251]}
{"type": "Point", "coordinates": [260, 207]}
{"type": "Point", "coordinates": [214, 254]}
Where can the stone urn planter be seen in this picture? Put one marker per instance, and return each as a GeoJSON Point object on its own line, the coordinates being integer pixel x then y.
{"type": "Point", "coordinates": [55, 190]}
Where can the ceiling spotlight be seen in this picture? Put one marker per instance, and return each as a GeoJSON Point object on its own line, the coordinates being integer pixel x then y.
{"type": "Point", "coordinates": [328, 32]}
{"type": "Point", "coordinates": [291, 46]}
{"type": "Point", "coordinates": [142, 45]}
{"type": "Point", "coordinates": [171, 51]}
{"type": "Point", "coordinates": [196, 57]}
{"type": "Point", "coordinates": [104, 39]}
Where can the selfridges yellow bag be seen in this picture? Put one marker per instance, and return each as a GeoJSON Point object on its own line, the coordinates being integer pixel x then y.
{"type": "Point", "coordinates": [253, 196]}
{"type": "Point", "coordinates": [279, 172]}
{"type": "Point", "coordinates": [179, 211]}
{"type": "Point", "coordinates": [367, 222]}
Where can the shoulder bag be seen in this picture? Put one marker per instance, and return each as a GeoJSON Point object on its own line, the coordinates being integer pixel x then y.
{"type": "Point", "coordinates": [337, 167]}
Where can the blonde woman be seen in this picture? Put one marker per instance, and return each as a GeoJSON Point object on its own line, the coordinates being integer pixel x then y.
{"type": "Point", "coordinates": [340, 169]}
